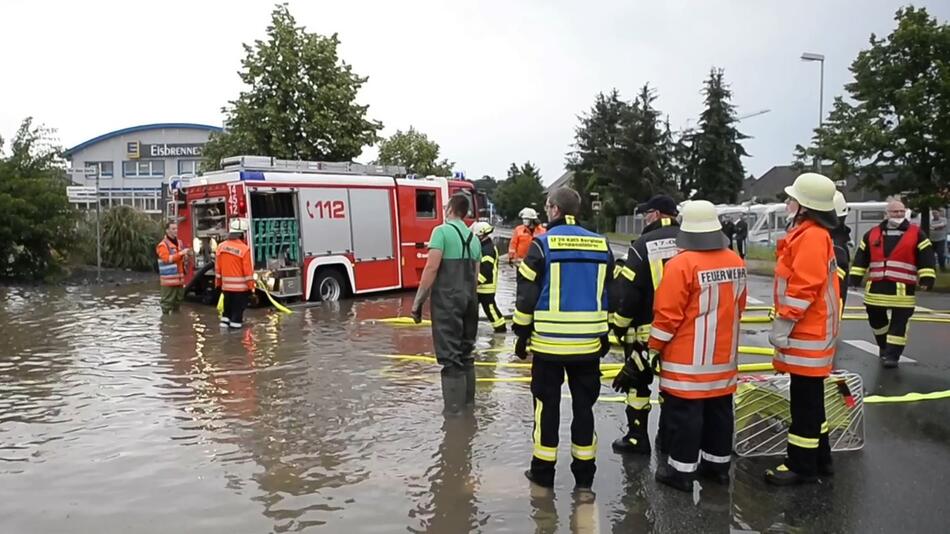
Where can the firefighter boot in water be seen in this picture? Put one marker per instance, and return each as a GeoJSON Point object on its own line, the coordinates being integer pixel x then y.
{"type": "Point", "coordinates": [891, 357]}
{"type": "Point", "coordinates": [636, 441]}
{"type": "Point", "coordinates": [453, 392]}
{"type": "Point", "coordinates": [673, 478]}
{"type": "Point", "coordinates": [470, 383]}
{"type": "Point", "coordinates": [783, 476]}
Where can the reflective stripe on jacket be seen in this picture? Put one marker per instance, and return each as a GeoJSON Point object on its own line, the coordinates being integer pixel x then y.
{"type": "Point", "coordinates": [521, 240]}
{"type": "Point", "coordinates": [900, 264]}
{"type": "Point", "coordinates": [171, 263]}
{"type": "Point", "coordinates": [570, 314]}
{"type": "Point", "coordinates": [233, 267]}
{"type": "Point", "coordinates": [696, 315]}
{"type": "Point", "coordinates": [806, 293]}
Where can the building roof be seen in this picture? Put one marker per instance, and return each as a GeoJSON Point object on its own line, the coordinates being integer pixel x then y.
{"type": "Point", "coordinates": [771, 186]}
{"type": "Point", "coordinates": [564, 180]}
{"type": "Point", "coordinates": [142, 128]}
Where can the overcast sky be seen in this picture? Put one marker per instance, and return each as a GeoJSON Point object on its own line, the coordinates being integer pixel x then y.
{"type": "Point", "coordinates": [492, 81]}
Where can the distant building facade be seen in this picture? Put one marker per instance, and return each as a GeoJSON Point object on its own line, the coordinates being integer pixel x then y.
{"type": "Point", "coordinates": [770, 187]}
{"type": "Point", "coordinates": [133, 164]}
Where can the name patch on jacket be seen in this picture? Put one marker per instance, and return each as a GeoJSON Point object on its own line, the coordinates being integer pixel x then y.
{"type": "Point", "coordinates": [662, 249]}
{"type": "Point", "coordinates": [721, 276]}
{"type": "Point", "coordinates": [577, 242]}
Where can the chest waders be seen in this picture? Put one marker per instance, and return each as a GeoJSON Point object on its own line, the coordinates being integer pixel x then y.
{"type": "Point", "coordinates": [454, 308]}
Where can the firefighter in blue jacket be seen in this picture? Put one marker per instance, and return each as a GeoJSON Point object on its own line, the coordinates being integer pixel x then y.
{"type": "Point", "coordinates": [561, 309]}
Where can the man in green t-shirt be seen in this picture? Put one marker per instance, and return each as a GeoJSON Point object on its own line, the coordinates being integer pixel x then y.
{"type": "Point", "coordinates": [450, 275]}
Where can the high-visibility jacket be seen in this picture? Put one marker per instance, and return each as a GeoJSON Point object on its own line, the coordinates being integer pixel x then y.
{"type": "Point", "coordinates": [521, 241]}
{"type": "Point", "coordinates": [806, 293]}
{"type": "Point", "coordinates": [171, 263]}
{"type": "Point", "coordinates": [233, 268]}
{"type": "Point", "coordinates": [641, 276]}
{"type": "Point", "coordinates": [562, 300]}
{"type": "Point", "coordinates": [488, 268]}
{"type": "Point", "coordinates": [696, 315]}
{"type": "Point", "coordinates": [893, 260]}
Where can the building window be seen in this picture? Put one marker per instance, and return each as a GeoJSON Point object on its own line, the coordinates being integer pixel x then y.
{"type": "Point", "coordinates": [425, 204]}
{"type": "Point", "coordinates": [144, 168]}
{"type": "Point", "coordinates": [103, 168]}
{"type": "Point", "coordinates": [189, 166]}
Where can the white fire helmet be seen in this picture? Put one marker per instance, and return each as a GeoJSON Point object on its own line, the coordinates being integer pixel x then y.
{"type": "Point", "coordinates": [238, 225]}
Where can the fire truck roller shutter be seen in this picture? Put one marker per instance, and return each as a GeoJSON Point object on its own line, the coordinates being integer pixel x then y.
{"type": "Point", "coordinates": [372, 224]}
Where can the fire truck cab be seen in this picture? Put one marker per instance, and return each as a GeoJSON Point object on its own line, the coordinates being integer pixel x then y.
{"type": "Point", "coordinates": [318, 231]}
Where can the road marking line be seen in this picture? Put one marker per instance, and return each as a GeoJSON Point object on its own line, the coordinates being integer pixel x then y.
{"type": "Point", "coordinates": [871, 348]}
{"type": "Point", "coordinates": [754, 301]}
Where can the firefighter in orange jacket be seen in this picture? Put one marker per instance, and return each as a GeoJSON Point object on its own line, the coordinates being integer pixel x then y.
{"type": "Point", "coordinates": [805, 329]}
{"type": "Point", "coordinates": [693, 340]}
{"type": "Point", "coordinates": [171, 268]}
{"type": "Point", "coordinates": [234, 274]}
{"type": "Point", "coordinates": [524, 234]}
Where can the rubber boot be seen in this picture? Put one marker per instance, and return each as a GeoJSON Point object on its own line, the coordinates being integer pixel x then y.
{"type": "Point", "coordinates": [470, 382]}
{"type": "Point", "coordinates": [453, 392]}
{"type": "Point", "coordinates": [636, 441]}
{"type": "Point", "coordinates": [783, 476]}
{"type": "Point", "coordinates": [710, 472]}
{"type": "Point", "coordinates": [673, 478]}
{"type": "Point", "coordinates": [891, 357]}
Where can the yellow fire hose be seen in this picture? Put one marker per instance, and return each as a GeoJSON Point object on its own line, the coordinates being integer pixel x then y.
{"type": "Point", "coordinates": [278, 306]}
{"type": "Point", "coordinates": [610, 370]}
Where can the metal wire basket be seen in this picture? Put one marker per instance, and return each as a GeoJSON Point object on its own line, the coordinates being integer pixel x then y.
{"type": "Point", "coordinates": [762, 413]}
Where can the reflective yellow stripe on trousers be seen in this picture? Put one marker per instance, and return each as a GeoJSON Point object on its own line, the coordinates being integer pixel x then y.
{"type": "Point", "coordinates": [548, 454]}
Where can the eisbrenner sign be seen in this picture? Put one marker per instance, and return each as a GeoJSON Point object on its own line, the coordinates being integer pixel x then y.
{"type": "Point", "coordinates": [172, 150]}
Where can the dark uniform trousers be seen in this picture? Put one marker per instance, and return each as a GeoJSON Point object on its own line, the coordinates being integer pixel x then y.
{"type": "Point", "coordinates": [235, 302]}
{"type": "Point", "coordinates": [890, 333]}
{"type": "Point", "coordinates": [696, 431]}
{"type": "Point", "coordinates": [487, 300]}
{"type": "Point", "coordinates": [583, 380]}
{"type": "Point", "coordinates": [808, 444]}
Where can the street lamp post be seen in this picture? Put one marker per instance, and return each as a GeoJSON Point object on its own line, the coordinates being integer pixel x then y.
{"type": "Point", "coordinates": [820, 58]}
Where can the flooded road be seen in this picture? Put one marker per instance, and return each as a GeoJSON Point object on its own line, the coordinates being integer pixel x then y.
{"type": "Point", "coordinates": [116, 419]}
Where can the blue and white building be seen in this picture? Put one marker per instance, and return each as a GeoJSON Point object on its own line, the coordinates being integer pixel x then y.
{"type": "Point", "coordinates": [133, 164]}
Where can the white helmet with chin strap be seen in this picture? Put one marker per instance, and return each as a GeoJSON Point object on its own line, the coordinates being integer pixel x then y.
{"type": "Point", "coordinates": [841, 205]}
{"type": "Point", "coordinates": [528, 213]}
{"type": "Point", "coordinates": [813, 191]}
{"type": "Point", "coordinates": [481, 229]}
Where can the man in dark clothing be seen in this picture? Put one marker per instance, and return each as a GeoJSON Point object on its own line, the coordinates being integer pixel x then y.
{"type": "Point", "coordinates": [841, 239]}
{"type": "Point", "coordinates": [729, 228]}
{"type": "Point", "coordinates": [638, 280]}
{"type": "Point", "coordinates": [488, 276]}
{"type": "Point", "coordinates": [742, 235]}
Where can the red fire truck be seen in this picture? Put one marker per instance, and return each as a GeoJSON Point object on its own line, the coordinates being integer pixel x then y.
{"type": "Point", "coordinates": [318, 231]}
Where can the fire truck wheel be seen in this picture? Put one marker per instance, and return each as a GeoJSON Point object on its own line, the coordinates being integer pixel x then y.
{"type": "Point", "coordinates": [329, 286]}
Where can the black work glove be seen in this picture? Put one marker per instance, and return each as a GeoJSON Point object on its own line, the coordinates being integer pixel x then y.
{"type": "Point", "coordinates": [636, 371]}
{"type": "Point", "coordinates": [416, 314]}
{"type": "Point", "coordinates": [521, 348]}
{"type": "Point", "coordinates": [927, 284]}
{"type": "Point", "coordinates": [254, 300]}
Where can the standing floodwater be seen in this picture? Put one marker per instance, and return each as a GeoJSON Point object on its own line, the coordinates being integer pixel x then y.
{"type": "Point", "coordinates": [115, 419]}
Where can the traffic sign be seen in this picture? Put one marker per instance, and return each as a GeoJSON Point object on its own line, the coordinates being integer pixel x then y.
{"type": "Point", "coordinates": [81, 193]}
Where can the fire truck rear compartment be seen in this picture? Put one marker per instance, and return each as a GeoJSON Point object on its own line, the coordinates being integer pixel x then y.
{"type": "Point", "coordinates": [275, 243]}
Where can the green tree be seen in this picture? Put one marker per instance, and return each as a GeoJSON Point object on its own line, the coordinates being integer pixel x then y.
{"type": "Point", "coordinates": [645, 154]}
{"type": "Point", "coordinates": [833, 145]}
{"type": "Point", "coordinates": [595, 158]}
{"type": "Point", "coordinates": [414, 151]}
{"type": "Point", "coordinates": [300, 100]}
{"type": "Point", "coordinates": [899, 123]}
{"type": "Point", "coordinates": [714, 168]}
{"type": "Point", "coordinates": [488, 185]}
{"type": "Point", "coordinates": [522, 189]}
{"type": "Point", "coordinates": [36, 220]}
